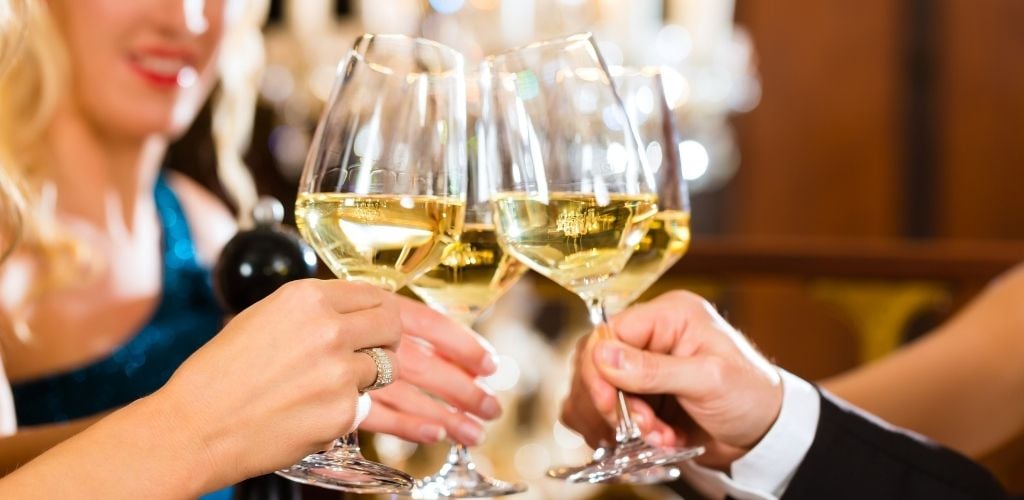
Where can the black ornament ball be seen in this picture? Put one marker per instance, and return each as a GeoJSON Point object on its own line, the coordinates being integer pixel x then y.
{"type": "Point", "coordinates": [258, 261]}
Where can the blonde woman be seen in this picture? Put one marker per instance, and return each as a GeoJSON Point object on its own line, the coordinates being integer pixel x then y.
{"type": "Point", "coordinates": [108, 291]}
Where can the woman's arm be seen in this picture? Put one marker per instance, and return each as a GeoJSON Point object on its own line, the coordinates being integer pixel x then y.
{"type": "Point", "coordinates": [280, 381]}
{"type": "Point", "coordinates": [140, 451]}
{"type": "Point", "coordinates": [17, 449]}
{"type": "Point", "coordinates": [959, 385]}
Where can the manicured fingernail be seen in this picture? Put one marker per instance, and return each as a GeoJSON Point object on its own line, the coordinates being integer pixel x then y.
{"type": "Point", "coordinates": [611, 355]}
{"type": "Point", "coordinates": [490, 364]}
{"type": "Point", "coordinates": [490, 409]}
{"type": "Point", "coordinates": [472, 434]}
{"type": "Point", "coordinates": [653, 439]}
{"type": "Point", "coordinates": [431, 433]}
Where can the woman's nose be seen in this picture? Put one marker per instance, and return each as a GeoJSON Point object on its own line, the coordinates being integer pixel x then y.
{"type": "Point", "coordinates": [184, 17]}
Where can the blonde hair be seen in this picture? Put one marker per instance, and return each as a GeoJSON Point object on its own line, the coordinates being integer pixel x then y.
{"type": "Point", "coordinates": [11, 201]}
{"type": "Point", "coordinates": [30, 88]}
{"type": "Point", "coordinates": [37, 77]}
{"type": "Point", "coordinates": [241, 63]}
{"type": "Point", "coordinates": [10, 30]}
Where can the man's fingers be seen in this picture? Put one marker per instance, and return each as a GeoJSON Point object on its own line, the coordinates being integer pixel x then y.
{"type": "Point", "coordinates": [580, 416]}
{"type": "Point", "coordinates": [666, 324]}
{"type": "Point", "coordinates": [456, 342]}
{"type": "Point", "coordinates": [653, 429]}
{"type": "Point", "coordinates": [589, 381]}
{"type": "Point", "coordinates": [636, 325]}
{"type": "Point", "coordinates": [642, 372]}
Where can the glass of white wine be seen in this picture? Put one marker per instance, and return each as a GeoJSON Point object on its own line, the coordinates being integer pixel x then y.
{"type": "Point", "coordinates": [474, 272]}
{"type": "Point", "coordinates": [643, 95]}
{"type": "Point", "coordinates": [576, 196]}
{"type": "Point", "coordinates": [382, 195]}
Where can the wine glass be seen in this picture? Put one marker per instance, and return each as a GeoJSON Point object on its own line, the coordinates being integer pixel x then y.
{"type": "Point", "coordinates": [474, 272]}
{"type": "Point", "coordinates": [577, 195]}
{"type": "Point", "coordinates": [643, 95]}
{"type": "Point", "coordinates": [382, 194]}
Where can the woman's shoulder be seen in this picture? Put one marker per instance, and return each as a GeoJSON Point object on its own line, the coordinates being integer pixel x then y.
{"type": "Point", "coordinates": [209, 219]}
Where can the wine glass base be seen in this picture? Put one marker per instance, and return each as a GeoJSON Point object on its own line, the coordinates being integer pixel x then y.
{"type": "Point", "coordinates": [564, 471]}
{"type": "Point", "coordinates": [348, 472]}
{"type": "Point", "coordinates": [653, 475]}
{"type": "Point", "coordinates": [631, 462]}
{"type": "Point", "coordinates": [463, 481]}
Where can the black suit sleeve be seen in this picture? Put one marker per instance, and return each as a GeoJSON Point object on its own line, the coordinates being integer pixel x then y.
{"type": "Point", "coordinates": [855, 456]}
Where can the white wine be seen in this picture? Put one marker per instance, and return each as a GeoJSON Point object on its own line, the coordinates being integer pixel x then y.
{"type": "Point", "coordinates": [386, 240]}
{"type": "Point", "coordinates": [571, 238]}
{"type": "Point", "coordinates": [474, 271]}
{"type": "Point", "coordinates": [666, 241]}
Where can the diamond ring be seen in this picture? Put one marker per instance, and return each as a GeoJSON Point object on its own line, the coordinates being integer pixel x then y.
{"type": "Point", "coordinates": [385, 372]}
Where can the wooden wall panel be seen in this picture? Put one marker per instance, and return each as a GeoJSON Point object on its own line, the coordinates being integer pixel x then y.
{"type": "Point", "coordinates": [981, 108]}
{"type": "Point", "coordinates": [822, 151]}
{"type": "Point", "coordinates": [821, 157]}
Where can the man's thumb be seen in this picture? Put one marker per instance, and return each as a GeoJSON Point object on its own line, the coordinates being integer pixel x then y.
{"type": "Point", "coordinates": [641, 372]}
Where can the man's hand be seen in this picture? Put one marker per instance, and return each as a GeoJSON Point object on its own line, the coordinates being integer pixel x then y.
{"type": "Point", "coordinates": [694, 380]}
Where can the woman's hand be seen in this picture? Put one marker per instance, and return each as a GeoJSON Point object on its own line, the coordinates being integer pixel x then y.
{"type": "Point", "coordinates": [437, 386]}
{"type": "Point", "coordinates": [702, 382]}
{"type": "Point", "coordinates": [283, 378]}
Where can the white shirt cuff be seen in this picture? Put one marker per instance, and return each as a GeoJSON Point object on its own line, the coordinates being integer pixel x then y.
{"type": "Point", "coordinates": [765, 471]}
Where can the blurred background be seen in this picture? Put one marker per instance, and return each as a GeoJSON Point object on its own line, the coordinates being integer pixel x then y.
{"type": "Point", "coordinates": [856, 171]}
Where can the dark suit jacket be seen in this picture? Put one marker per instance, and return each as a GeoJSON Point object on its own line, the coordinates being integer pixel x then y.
{"type": "Point", "coordinates": [856, 456]}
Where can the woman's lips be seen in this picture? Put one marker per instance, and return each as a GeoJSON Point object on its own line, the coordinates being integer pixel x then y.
{"type": "Point", "coordinates": [166, 71]}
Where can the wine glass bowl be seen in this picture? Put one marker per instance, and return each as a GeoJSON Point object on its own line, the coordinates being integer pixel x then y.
{"type": "Point", "coordinates": [382, 195]}
{"type": "Point", "coordinates": [574, 198]}
{"type": "Point", "coordinates": [668, 238]}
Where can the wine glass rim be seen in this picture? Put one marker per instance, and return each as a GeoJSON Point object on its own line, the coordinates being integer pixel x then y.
{"type": "Point", "coordinates": [453, 60]}
{"type": "Point", "coordinates": [562, 40]}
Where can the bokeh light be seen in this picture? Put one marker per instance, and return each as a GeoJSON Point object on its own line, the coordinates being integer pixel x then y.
{"type": "Point", "coordinates": [694, 158]}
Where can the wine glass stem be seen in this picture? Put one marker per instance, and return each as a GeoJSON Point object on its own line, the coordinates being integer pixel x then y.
{"type": "Point", "coordinates": [459, 455]}
{"type": "Point", "coordinates": [627, 429]}
{"type": "Point", "coordinates": [347, 444]}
